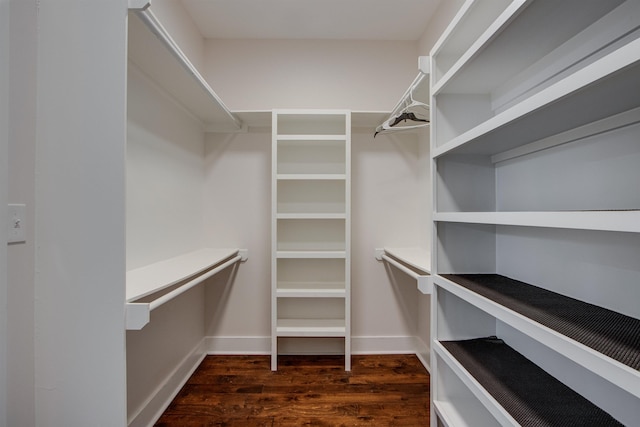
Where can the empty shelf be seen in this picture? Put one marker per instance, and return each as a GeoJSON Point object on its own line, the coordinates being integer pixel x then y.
{"type": "Point", "coordinates": [167, 279]}
{"type": "Point", "coordinates": [311, 328]}
{"type": "Point", "coordinates": [612, 334]}
{"type": "Point", "coordinates": [528, 393]}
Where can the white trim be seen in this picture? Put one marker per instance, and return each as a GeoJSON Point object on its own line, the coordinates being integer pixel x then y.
{"type": "Point", "coordinates": [161, 398]}
{"type": "Point", "coordinates": [237, 345]}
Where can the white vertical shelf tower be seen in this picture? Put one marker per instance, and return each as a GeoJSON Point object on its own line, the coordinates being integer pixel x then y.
{"type": "Point", "coordinates": [311, 227]}
{"type": "Point", "coordinates": [535, 258]}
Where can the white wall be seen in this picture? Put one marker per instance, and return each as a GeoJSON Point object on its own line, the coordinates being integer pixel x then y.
{"type": "Point", "coordinates": [21, 262]}
{"type": "Point", "coordinates": [385, 211]}
{"type": "Point", "coordinates": [179, 24]}
{"type": "Point", "coordinates": [80, 213]}
{"type": "Point", "coordinates": [165, 178]}
{"type": "Point", "coordinates": [268, 74]}
{"type": "Point", "coordinates": [4, 150]}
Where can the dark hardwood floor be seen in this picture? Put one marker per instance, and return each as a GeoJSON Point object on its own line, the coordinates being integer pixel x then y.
{"type": "Point", "coordinates": [381, 390]}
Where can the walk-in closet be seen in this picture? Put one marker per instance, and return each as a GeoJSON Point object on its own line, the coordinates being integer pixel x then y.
{"type": "Point", "coordinates": [440, 195]}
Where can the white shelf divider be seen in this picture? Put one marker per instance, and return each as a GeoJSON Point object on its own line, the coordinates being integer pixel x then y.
{"type": "Point", "coordinates": [415, 262]}
{"type": "Point", "coordinates": [145, 281]}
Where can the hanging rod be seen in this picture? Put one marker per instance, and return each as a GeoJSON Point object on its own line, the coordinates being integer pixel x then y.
{"type": "Point", "coordinates": [424, 281]}
{"type": "Point", "coordinates": [402, 110]}
{"type": "Point", "coordinates": [146, 15]}
{"type": "Point", "coordinates": [138, 314]}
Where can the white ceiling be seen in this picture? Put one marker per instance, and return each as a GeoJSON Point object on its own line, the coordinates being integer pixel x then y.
{"type": "Point", "coordinates": [312, 19]}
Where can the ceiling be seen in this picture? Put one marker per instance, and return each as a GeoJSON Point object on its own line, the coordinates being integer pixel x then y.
{"type": "Point", "coordinates": [312, 19]}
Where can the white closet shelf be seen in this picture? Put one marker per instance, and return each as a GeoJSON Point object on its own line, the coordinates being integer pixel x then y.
{"type": "Point", "coordinates": [311, 176]}
{"type": "Point", "coordinates": [311, 290]}
{"type": "Point", "coordinates": [311, 215]}
{"type": "Point", "coordinates": [492, 406]}
{"type": "Point", "coordinates": [618, 373]}
{"type": "Point", "coordinates": [560, 106]}
{"type": "Point", "coordinates": [455, 48]}
{"type": "Point", "coordinates": [415, 262]}
{"type": "Point", "coordinates": [152, 50]}
{"type": "Point", "coordinates": [311, 254]}
{"type": "Point", "coordinates": [311, 327]}
{"type": "Point", "coordinates": [180, 273]}
{"type": "Point", "coordinates": [622, 221]}
{"type": "Point", "coordinates": [304, 137]}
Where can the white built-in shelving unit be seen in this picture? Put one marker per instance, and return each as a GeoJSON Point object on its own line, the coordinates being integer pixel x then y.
{"type": "Point", "coordinates": [311, 217]}
{"type": "Point", "coordinates": [535, 166]}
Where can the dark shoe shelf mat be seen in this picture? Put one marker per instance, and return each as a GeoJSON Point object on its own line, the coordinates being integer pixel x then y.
{"type": "Point", "coordinates": [608, 332]}
{"type": "Point", "coordinates": [528, 393]}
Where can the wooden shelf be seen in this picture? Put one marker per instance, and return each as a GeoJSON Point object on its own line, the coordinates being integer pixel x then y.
{"type": "Point", "coordinates": [152, 50]}
{"type": "Point", "coordinates": [622, 221]}
{"type": "Point", "coordinates": [534, 314]}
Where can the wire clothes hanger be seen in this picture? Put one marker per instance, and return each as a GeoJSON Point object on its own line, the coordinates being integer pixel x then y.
{"type": "Point", "coordinates": [408, 110]}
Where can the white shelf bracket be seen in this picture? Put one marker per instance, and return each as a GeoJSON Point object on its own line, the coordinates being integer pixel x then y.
{"type": "Point", "coordinates": [139, 4]}
{"type": "Point", "coordinates": [137, 315]}
{"type": "Point", "coordinates": [244, 254]}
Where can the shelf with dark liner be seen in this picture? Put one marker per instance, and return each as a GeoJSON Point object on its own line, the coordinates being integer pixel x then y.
{"type": "Point", "coordinates": [528, 393]}
{"type": "Point", "coordinates": [612, 334]}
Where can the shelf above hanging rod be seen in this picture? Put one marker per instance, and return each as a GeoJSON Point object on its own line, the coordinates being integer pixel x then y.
{"type": "Point", "coordinates": [415, 262]}
{"type": "Point", "coordinates": [182, 273]}
{"type": "Point", "coordinates": [158, 56]}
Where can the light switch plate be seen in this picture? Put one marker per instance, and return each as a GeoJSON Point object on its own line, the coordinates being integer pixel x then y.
{"type": "Point", "coordinates": [17, 226]}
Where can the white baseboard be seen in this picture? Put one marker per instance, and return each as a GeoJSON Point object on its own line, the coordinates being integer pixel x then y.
{"type": "Point", "coordinates": [161, 398]}
{"type": "Point", "coordinates": [237, 345]}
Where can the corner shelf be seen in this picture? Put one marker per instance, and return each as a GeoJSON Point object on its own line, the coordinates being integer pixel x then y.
{"type": "Point", "coordinates": [169, 278]}
{"type": "Point", "coordinates": [153, 52]}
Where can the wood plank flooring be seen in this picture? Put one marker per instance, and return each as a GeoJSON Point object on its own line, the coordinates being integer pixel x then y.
{"type": "Point", "coordinates": [381, 390]}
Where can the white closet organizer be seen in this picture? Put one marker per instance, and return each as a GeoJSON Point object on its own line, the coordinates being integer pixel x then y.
{"type": "Point", "coordinates": [311, 222]}
{"type": "Point", "coordinates": [536, 250]}
{"type": "Point", "coordinates": [154, 54]}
